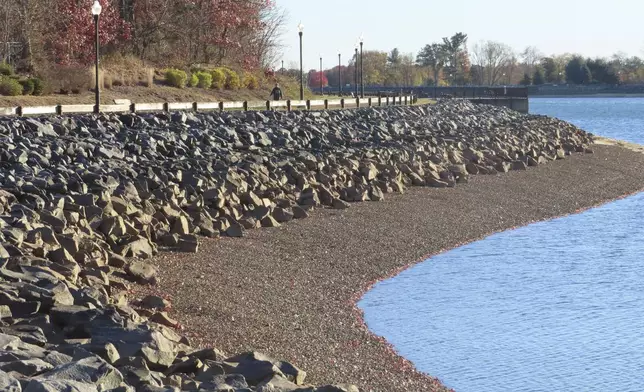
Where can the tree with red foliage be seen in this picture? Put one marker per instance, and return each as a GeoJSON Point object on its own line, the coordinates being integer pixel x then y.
{"type": "Point", "coordinates": [174, 33]}
{"type": "Point", "coordinates": [221, 28]}
{"type": "Point", "coordinates": [315, 77]}
{"type": "Point", "coordinates": [72, 37]}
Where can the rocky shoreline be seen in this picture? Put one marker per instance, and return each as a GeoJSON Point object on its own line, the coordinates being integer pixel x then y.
{"type": "Point", "coordinates": [85, 200]}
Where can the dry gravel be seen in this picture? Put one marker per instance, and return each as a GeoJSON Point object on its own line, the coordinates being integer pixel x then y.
{"type": "Point", "coordinates": [290, 291]}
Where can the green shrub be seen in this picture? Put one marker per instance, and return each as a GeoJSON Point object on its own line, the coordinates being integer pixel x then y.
{"type": "Point", "coordinates": [250, 81]}
{"type": "Point", "coordinates": [196, 69]}
{"type": "Point", "coordinates": [205, 79]}
{"type": "Point", "coordinates": [39, 86]}
{"type": "Point", "coordinates": [10, 87]}
{"type": "Point", "coordinates": [218, 78]}
{"type": "Point", "coordinates": [232, 79]}
{"type": "Point", "coordinates": [6, 69]}
{"type": "Point", "coordinates": [194, 80]}
{"type": "Point", "coordinates": [176, 78]}
{"type": "Point", "coordinates": [27, 86]}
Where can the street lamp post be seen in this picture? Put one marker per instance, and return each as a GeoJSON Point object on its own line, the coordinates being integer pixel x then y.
{"type": "Point", "coordinates": [355, 70]}
{"type": "Point", "coordinates": [96, 12]}
{"type": "Point", "coordinates": [339, 73]}
{"type": "Point", "coordinates": [300, 28]}
{"type": "Point", "coordinates": [361, 69]}
{"type": "Point", "coordinates": [321, 86]}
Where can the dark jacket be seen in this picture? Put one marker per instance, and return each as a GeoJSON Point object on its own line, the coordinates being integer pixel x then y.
{"type": "Point", "coordinates": [276, 94]}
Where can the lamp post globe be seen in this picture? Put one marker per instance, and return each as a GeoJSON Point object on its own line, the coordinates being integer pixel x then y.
{"type": "Point", "coordinates": [300, 29]}
{"type": "Point", "coordinates": [355, 71]}
{"type": "Point", "coordinates": [96, 8]}
{"type": "Point", "coordinates": [96, 13]}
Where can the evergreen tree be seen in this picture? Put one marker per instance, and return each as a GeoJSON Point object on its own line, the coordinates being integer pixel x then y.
{"type": "Point", "coordinates": [539, 76]}
{"type": "Point", "coordinates": [587, 75]}
{"type": "Point", "coordinates": [526, 81]}
{"type": "Point", "coordinates": [575, 70]}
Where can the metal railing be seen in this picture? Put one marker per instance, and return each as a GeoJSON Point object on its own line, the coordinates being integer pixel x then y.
{"type": "Point", "coordinates": [210, 106]}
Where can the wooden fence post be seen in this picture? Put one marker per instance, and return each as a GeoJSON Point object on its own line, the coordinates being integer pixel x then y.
{"type": "Point", "coordinates": [221, 106]}
{"type": "Point", "coordinates": [357, 102]}
{"type": "Point", "coordinates": [369, 101]}
{"type": "Point", "coordinates": [166, 107]}
{"type": "Point", "coordinates": [195, 107]}
{"type": "Point", "coordinates": [288, 105]}
{"type": "Point", "coordinates": [342, 103]}
{"type": "Point", "coordinates": [59, 109]}
{"type": "Point", "coordinates": [326, 104]}
{"type": "Point", "coordinates": [308, 104]}
{"type": "Point", "coordinates": [268, 105]}
{"type": "Point", "coordinates": [245, 106]}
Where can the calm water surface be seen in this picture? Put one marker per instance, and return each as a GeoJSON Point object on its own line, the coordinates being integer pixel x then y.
{"type": "Point", "coordinates": [617, 118]}
{"type": "Point", "coordinates": [554, 306]}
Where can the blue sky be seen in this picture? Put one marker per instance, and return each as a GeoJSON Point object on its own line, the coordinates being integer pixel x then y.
{"type": "Point", "coordinates": [590, 27]}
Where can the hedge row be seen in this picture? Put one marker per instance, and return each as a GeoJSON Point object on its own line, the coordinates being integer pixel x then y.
{"type": "Point", "coordinates": [12, 85]}
{"type": "Point", "coordinates": [218, 78]}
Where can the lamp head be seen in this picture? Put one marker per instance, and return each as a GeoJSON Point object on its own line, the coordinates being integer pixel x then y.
{"type": "Point", "coordinates": [361, 38]}
{"type": "Point", "coordinates": [300, 27]}
{"type": "Point", "coordinates": [96, 8]}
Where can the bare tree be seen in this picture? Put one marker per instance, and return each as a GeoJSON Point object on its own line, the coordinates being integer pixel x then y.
{"type": "Point", "coordinates": [511, 68]}
{"type": "Point", "coordinates": [267, 42]}
{"type": "Point", "coordinates": [408, 69]}
{"type": "Point", "coordinates": [492, 58]}
{"type": "Point", "coordinates": [22, 26]}
{"type": "Point", "coordinates": [531, 56]}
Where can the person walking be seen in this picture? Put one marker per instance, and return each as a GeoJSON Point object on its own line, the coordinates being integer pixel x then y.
{"type": "Point", "coordinates": [276, 94]}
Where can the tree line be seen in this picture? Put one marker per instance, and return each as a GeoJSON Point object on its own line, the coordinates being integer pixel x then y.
{"type": "Point", "coordinates": [451, 62]}
{"type": "Point", "coordinates": [38, 34]}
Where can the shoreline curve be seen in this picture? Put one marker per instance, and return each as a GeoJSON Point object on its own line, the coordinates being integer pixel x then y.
{"type": "Point", "coordinates": [244, 307]}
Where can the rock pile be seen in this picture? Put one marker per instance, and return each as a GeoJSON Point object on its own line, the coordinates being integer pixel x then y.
{"type": "Point", "coordinates": [83, 200]}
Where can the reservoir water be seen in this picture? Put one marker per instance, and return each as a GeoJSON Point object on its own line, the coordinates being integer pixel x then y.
{"type": "Point", "coordinates": [553, 306]}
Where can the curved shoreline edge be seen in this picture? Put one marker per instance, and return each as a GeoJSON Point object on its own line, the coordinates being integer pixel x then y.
{"type": "Point", "coordinates": [610, 174]}
{"type": "Point", "coordinates": [408, 364]}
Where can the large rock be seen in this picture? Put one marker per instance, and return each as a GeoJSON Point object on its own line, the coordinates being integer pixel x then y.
{"type": "Point", "coordinates": [8, 383]}
{"type": "Point", "coordinates": [91, 370]}
{"type": "Point", "coordinates": [38, 385]}
{"type": "Point", "coordinates": [142, 271]}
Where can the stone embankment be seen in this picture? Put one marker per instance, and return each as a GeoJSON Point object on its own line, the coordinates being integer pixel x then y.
{"type": "Point", "coordinates": [85, 200]}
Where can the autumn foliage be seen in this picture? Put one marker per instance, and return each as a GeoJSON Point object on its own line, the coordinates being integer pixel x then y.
{"type": "Point", "coordinates": [316, 77]}
{"type": "Point", "coordinates": [166, 33]}
{"type": "Point", "coordinates": [72, 36]}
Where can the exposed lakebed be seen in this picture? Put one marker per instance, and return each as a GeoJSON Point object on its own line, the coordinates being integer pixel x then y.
{"type": "Point", "coordinates": [554, 306]}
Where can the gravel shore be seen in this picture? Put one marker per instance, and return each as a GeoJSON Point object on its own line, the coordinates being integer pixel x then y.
{"type": "Point", "coordinates": [290, 291]}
